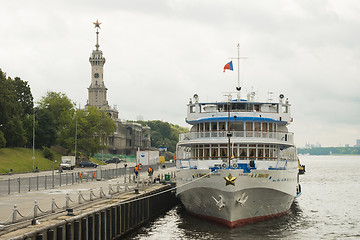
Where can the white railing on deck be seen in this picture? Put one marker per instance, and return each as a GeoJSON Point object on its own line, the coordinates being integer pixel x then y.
{"type": "Point", "coordinates": [287, 137]}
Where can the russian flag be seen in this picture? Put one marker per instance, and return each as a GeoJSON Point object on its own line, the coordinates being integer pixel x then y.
{"type": "Point", "coordinates": [229, 66]}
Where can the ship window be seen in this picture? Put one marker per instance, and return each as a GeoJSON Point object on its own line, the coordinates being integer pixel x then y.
{"type": "Point", "coordinates": [256, 107]}
{"type": "Point", "coordinates": [213, 126]}
{"type": "Point", "coordinates": [243, 153]}
{"type": "Point", "coordinates": [214, 152]}
{"type": "Point", "coordinates": [207, 127]}
{"type": "Point", "coordinates": [252, 152]}
{"type": "Point", "coordinates": [192, 109]}
{"type": "Point", "coordinates": [238, 126]}
{"type": "Point", "coordinates": [221, 126]}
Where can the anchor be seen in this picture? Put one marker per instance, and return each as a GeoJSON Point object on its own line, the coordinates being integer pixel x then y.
{"type": "Point", "coordinates": [219, 203]}
{"type": "Point", "coordinates": [242, 200]}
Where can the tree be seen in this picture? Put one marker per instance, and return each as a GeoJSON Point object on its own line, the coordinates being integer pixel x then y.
{"type": "Point", "coordinates": [164, 134]}
{"type": "Point", "coordinates": [16, 104]}
{"type": "Point", "coordinates": [45, 133]}
{"type": "Point", "coordinates": [93, 128]}
{"type": "Point", "coordinates": [59, 112]}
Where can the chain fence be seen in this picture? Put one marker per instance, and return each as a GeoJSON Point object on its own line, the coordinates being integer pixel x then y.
{"type": "Point", "coordinates": [58, 179]}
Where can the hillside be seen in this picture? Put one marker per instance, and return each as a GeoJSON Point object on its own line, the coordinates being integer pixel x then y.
{"type": "Point", "coordinates": [20, 160]}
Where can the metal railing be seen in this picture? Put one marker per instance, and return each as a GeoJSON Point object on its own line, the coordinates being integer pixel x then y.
{"type": "Point", "coordinates": [280, 136]}
{"type": "Point", "coordinates": [58, 179]}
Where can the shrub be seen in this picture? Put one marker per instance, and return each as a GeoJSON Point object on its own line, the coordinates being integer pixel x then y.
{"type": "Point", "coordinates": [47, 153]}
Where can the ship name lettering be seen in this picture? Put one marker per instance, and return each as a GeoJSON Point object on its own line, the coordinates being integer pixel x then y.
{"type": "Point", "coordinates": [260, 175]}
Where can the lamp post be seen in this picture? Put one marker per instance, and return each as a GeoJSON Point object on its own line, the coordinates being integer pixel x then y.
{"type": "Point", "coordinates": [33, 148]}
{"type": "Point", "coordinates": [53, 177]}
{"type": "Point", "coordinates": [75, 136]}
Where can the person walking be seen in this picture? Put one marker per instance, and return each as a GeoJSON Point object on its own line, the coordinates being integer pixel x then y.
{"type": "Point", "coordinates": [136, 170]}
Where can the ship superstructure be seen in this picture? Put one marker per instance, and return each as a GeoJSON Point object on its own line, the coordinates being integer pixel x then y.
{"type": "Point", "coordinates": [238, 163]}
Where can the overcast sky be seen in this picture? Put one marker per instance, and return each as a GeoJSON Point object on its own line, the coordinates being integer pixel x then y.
{"type": "Point", "coordinates": [160, 52]}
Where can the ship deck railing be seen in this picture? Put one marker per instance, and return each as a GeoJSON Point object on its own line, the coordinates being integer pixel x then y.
{"type": "Point", "coordinates": [286, 137]}
{"type": "Point", "coordinates": [266, 163]}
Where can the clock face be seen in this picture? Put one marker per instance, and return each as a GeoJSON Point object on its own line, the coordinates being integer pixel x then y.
{"type": "Point", "coordinates": [96, 75]}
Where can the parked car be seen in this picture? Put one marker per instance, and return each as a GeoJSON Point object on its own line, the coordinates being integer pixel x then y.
{"type": "Point", "coordinates": [113, 160]}
{"type": "Point", "coordinates": [88, 164]}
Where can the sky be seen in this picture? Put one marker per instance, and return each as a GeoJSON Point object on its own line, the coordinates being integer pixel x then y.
{"type": "Point", "coordinates": [160, 53]}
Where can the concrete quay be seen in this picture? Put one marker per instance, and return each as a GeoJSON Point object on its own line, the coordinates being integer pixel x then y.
{"type": "Point", "coordinates": [81, 198]}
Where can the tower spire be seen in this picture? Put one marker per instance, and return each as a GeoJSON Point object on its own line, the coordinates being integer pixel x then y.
{"type": "Point", "coordinates": [97, 26]}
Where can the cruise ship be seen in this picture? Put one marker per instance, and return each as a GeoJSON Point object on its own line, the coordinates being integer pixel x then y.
{"type": "Point", "coordinates": [238, 163]}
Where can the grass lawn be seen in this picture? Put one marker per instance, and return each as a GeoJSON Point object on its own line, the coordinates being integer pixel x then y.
{"type": "Point", "coordinates": [20, 160]}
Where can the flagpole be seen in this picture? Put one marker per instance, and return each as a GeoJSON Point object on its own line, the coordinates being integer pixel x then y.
{"type": "Point", "coordinates": [238, 58]}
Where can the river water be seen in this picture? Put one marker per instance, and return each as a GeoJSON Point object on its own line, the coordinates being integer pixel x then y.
{"type": "Point", "coordinates": [327, 209]}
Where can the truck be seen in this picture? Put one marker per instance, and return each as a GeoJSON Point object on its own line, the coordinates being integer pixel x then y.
{"type": "Point", "coordinates": [67, 162]}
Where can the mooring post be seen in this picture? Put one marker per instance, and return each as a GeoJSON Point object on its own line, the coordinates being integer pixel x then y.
{"type": "Point", "coordinates": [91, 194]}
{"type": "Point", "coordinates": [67, 201]}
{"type": "Point", "coordinates": [14, 213]}
{"type": "Point", "coordinates": [117, 187]}
{"type": "Point", "coordinates": [53, 205]}
{"type": "Point", "coordinates": [101, 192]}
{"type": "Point", "coordinates": [35, 209]}
{"type": "Point", "coordinates": [79, 197]}
{"type": "Point", "coordinates": [110, 190]}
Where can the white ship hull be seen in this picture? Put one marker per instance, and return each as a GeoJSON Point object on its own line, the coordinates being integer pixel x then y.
{"type": "Point", "coordinates": [251, 197]}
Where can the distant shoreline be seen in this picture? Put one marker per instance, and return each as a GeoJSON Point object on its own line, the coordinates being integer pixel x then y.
{"type": "Point", "coordinates": [329, 151]}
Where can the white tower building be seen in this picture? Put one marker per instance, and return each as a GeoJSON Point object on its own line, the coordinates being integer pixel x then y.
{"type": "Point", "coordinates": [97, 90]}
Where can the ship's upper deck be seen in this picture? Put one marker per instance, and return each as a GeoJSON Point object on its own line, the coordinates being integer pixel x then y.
{"type": "Point", "coordinates": [239, 110]}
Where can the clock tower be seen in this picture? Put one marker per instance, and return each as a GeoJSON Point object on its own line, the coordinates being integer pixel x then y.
{"type": "Point", "coordinates": [97, 90]}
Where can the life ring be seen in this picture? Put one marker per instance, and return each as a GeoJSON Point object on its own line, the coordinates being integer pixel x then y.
{"type": "Point", "coordinates": [140, 166]}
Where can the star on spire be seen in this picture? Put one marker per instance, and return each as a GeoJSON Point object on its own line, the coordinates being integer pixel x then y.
{"type": "Point", "coordinates": [97, 24]}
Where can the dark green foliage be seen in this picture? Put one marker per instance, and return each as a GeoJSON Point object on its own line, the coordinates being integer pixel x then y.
{"type": "Point", "coordinates": [46, 153]}
{"type": "Point", "coordinates": [16, 105]}
{"type": "Point", "coordinates": [45, 133]}
{"type": "Point", "coordinates": [164, 134]}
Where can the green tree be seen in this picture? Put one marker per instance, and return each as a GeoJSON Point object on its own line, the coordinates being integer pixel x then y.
{"type": "Point", "coordinates": [93, 128]}
{"type": "Point", "coordinates": [16, 104]}
{"type": "Point", "coordinates": [45, 133]}
{"type": "Point", "coordinates": [164, 134]}
{"type": "Point", "coordinates": [59, 112]}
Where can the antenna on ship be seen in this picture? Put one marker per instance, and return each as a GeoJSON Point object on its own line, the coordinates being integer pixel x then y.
{"type": "Point", "coordinates": [238, 88]}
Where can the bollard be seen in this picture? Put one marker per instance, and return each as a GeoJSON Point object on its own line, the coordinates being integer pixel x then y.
{"type": "Point", "coordinates": [117, 187]}
{"type": "Point", "coordinates": [19, 183]}
{"type": "Point", "coordinates": [35, 209]}
{"type": "Point", "coordinates": [137, 183]}
{"type": "Point", "coordinates": [79, 197]}
{"type": "Point", "coordinates": [91, 194]}
{"type": "Point", "coordinates": [110, 190]}
{"type": "Point", "coordinates": [67, 201]}
{"type": "Point", "coordinates": [14, 213]}
{"type": "Point", "coordinates": [101, 192]}
{"type": "Point", "coordinates": [143, 182]}
{"type": "Point", "coordinates": [53, 205]}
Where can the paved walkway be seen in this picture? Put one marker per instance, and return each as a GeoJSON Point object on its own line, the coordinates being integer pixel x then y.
{"type": "Point", "coordinates": [25, 201]}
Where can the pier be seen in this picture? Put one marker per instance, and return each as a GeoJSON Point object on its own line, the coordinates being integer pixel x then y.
{"type": "Point", "coordinates": [96, 213]}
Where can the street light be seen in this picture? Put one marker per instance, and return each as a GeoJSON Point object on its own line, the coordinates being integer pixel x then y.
{"type": "Point", "coordinates": [53, 177]}
{"type": "Point", "coordinates": [33, 157]}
